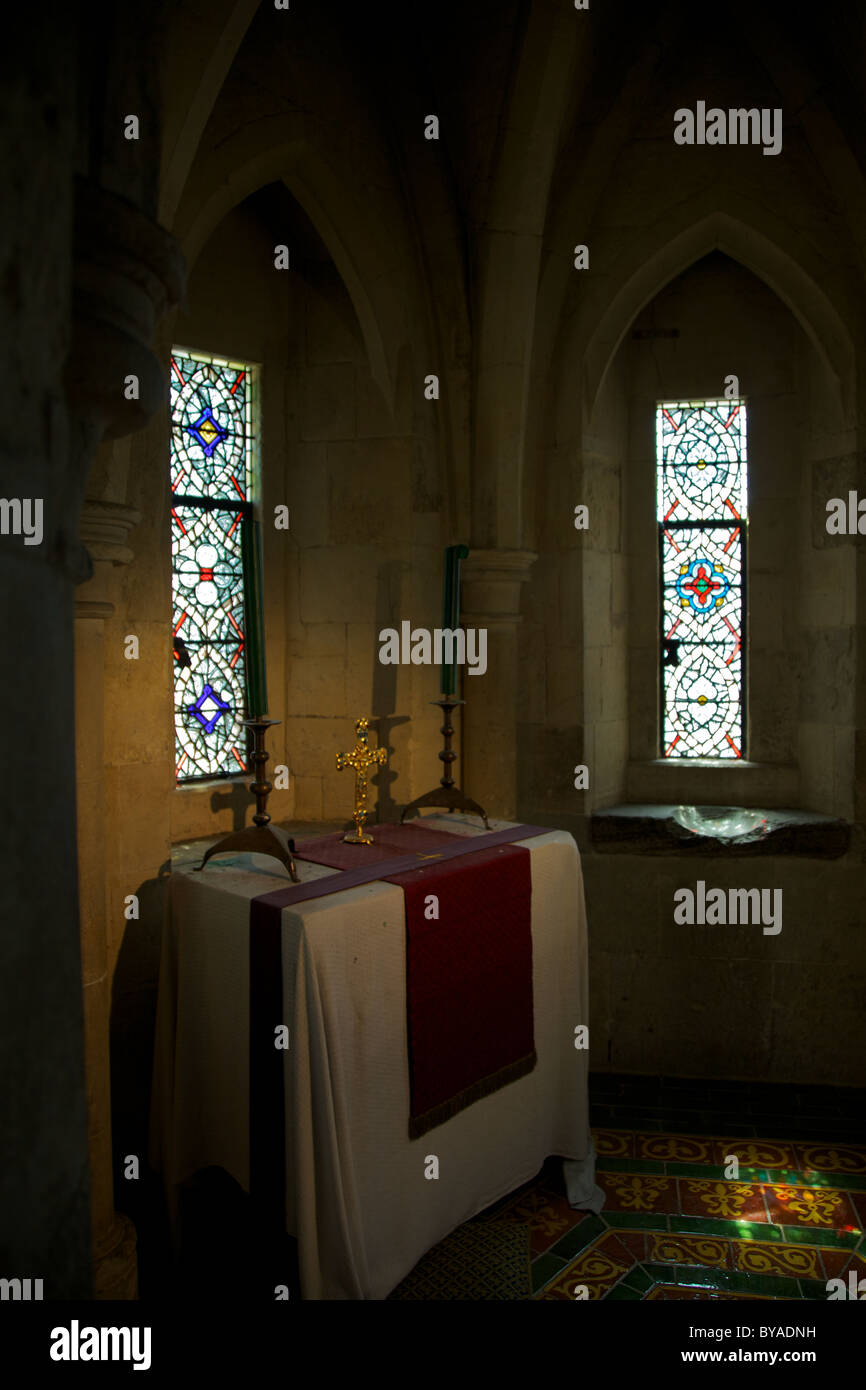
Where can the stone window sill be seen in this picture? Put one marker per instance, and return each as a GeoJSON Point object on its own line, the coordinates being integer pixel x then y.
{"type": "Point", "coordinates": [706, 781]}
{"type": "Point", "coordinates": [213, 784]}
{"type": "Point", "coordinates": [659, 829]}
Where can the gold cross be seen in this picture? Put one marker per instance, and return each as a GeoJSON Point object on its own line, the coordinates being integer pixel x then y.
{"type": "Point", "coordinates": [361, 758]}
{"type": "Point", "coordinates": [427, 856]}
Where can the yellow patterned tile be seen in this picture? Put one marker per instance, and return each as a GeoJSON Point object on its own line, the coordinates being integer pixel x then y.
{"type": "Point", "coordinates": [638, 1192]}
{"type": "Point", "coordinates": [836, 1158]}
{"type": "Point", "coordinates": [769, 1257]}
{"type": "Point", "coordinates": [613, 1143]}
{"type": "Point", "coordinates": [734, 1200]}
{"type": "Point", "coordinates": [564, 1289]}
{"type": "Point", "coordinates": [536, 1210]}
{"type": "Point", "coordinates": [692, 1250]}
{"type": "Point", "coordinates": [757, 1153]}
{"type": "Point", "coordinates": [598, 1269]}
{"type": "Point", "coordinates": [812, 1206]}
{"type": "Point", "coordinates": [682, 1147]}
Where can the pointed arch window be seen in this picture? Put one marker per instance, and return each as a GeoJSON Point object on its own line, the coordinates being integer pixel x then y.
{"type": "Point", "coordinates": [702, 514]}
{"type": "Point", "coordinates": [213, 441]}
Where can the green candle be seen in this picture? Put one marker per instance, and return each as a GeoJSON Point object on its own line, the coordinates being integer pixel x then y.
{"type": "Point", "coordinates": [254, 618]}
{"type": "Point", "coordinates": [451, 609]}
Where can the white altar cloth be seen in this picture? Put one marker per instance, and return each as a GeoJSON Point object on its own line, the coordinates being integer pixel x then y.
{"type": "Point", "coordinates": [357, 1197]}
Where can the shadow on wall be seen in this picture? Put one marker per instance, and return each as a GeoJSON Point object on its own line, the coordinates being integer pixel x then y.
{"type": "Point", "coordinates": [236, 798]}
{"type": "Point", "coordinates": [384, 688]}
{"type": "Point", "coordinates": [132, 1031]}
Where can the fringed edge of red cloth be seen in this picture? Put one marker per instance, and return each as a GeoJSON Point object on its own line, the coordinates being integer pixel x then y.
{"type": "Point", "coordinates": [420, 1125]}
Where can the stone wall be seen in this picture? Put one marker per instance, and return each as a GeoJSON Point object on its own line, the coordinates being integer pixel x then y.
{"type": "Point", "coordinates": [727, 1001]}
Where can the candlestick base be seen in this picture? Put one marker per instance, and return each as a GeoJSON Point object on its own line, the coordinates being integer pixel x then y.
{"type": "Point", "coordinates": [452, 799]}
{"type": "Point", "coordinates": [447, 794]}
{"type": "Point", "coordinates": [262, 837]}
{"type": "Point", "coordinates": [257, 839]}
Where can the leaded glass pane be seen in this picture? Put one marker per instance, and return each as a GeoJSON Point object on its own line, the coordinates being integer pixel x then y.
{"type": "Point", "coordinates": [211, 474]}
{"type": "Point", "coordinates": [702, 517]}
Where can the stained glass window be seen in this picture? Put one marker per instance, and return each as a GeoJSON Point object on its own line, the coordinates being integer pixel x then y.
{"type": "Point", "coordinates": [702, 520]}
{"type": "Point", "coordinates": [212, 444]}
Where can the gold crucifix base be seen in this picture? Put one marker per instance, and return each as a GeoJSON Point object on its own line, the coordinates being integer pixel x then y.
{"type": "Point", "coordinates": [360, 760]}
{"type": "Point", "coordinates": [359, 838]}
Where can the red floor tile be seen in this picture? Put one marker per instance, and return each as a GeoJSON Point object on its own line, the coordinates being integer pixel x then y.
{"type": "Point", "coordinates": [817, 1208]}
{"type": "Point", "coordinates": [598, 1268]}
{"type": "Point", "coordinates": [614, 1143]}
{"type": "Point", "coordinates": [719, 1199]}
{"type": "Point", "coordinates": [635, 1242]}
{"type": "Point", "coordinates": [859, 1201]}
{"type": "Point", "coordinates": [831, 1158]}
{"type": "Point", "coordinates": [547, 1215]}
{"type": "Point", "coordinates": [711, 1252]}
{"type": "Point", "coordinates": [638, 1192]}
{"type": "Point", "coordinates": [681, 1148]}
{"type": "Point", "coordinates": [838, 1262]}
{"type": "Point", "coordinates": [756, 1153]}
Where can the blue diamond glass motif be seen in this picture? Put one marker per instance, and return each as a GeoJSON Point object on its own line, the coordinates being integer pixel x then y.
{"type": "Point", "coordinates": [208, 720]}
{"type": "Point", "coordinates": [207, 432]}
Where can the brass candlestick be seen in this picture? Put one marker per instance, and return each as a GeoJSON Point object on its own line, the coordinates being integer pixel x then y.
{"type": "Point", "coordinates": [447, 794]}
{"type": "Point", "coordinates": [261, 837]}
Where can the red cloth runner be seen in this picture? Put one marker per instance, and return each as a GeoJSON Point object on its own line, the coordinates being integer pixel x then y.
{"type": "Point", "coordinates": [389, 842]}
{"type": "Point", "coordinates": [468, 971]}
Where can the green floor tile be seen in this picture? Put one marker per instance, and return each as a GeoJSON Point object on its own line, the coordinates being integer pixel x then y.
{"type": "Point", "coordinates": [790, 1178]}
{"type": "Point", "coordinates": [694, 1277]}
{"type": "Point", "coordinates": [758, 1230]}
{"type": "Point", "coordinates": [805, 1235]}
{"type": "Point", "coordinates": [630, 1165]}
{"type": "Point", "coordinates": [854, 1182]}
{"type": "Point", "coordinates": [718, 1226]}
{"type": "Point", "coordinates": [578, 1238]}
{"type": "Point", "coordinates": [813, 1288]}
{"type": "Point", "coordinates": [634, 1220]}
{"type": "Point", "coordinates": [750, 1175]}
{"type": "Point", "coordinates": [622, 1292]}
{"type": "Point", "coordinates": [737, 1281]}
{"type": "Point", "coordinates": [638, 1278]}
{"type": "Point", "coordinates": [545, 1268]}
{"type": "Point", "coordinates": [660, 1274]}
{"type": "Point", "coordinates": [694, 1170]}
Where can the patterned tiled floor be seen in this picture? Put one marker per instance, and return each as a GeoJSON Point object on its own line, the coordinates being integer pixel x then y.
{"type": "Point", "coordinates": [680, 1222]}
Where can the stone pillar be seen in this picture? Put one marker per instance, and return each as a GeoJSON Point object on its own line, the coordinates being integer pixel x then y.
{"type": "Point", "coordinates": [104, 528]}
{"type": "Point", "coordinates": [126, 272]}
{"type": "Point", "coordinates": [490, 598]}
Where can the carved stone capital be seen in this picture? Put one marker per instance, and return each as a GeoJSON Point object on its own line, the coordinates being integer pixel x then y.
{"type": "Point", "coordinates": [103, 531]}
{"type": "Point", "coordinates": [126, 272]}
{"type": "Point", "coordinates": [491, 584]}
